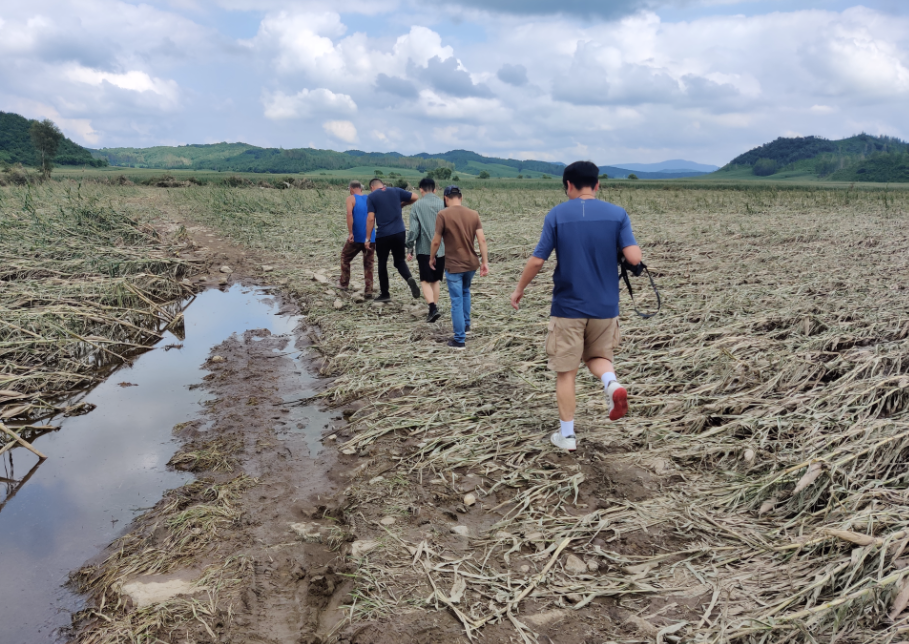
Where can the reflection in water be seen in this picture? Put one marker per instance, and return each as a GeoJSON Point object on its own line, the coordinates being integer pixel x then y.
{"type": "Point", "coordinates": [307, 421]}
{"type": "Point", "coordinates": [12, 485]}
{"type": "Point", "coordinates": [105, 467]}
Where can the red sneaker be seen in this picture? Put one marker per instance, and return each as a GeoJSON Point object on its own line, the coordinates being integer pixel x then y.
{"type": "Point", "coordinates": [616, 400]}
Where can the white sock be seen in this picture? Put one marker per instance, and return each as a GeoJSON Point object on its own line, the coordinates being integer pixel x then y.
{"type": "Point", "coordinates": [567, 428]}
{"type": "Point", "coordinates": [607, 377]}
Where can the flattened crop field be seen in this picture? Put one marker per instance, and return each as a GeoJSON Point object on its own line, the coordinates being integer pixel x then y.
{"type": "Point", "coordinates": [756, 491]}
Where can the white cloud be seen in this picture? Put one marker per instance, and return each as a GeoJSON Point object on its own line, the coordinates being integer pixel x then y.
{"type": "Point", "coordinates": [470, 108]}
{"type": "Point", "coordinates": [81, 130]}
{"type": "Point", "coordinates": [311, 44]}
{"type": "Point", "coordinates": [134, 81]}
{"type": "Point", "coordinates": [302, 40]}
{"type": "Point", "coordinates": [305, 103]}
{"type": "Point", "coordinates": [344, 130]}
{"type": "Point", "coordinates": [512, 83]}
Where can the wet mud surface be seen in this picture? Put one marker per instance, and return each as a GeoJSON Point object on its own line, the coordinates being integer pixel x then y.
{"type": "Point", "coordinates": [285, 562]}
{"type": "Point", "coordinates": [255, 407]}
{"type": "Point", "coordinates": [108, 466]}
{"type": "Point", "coordinates": [258, 440]}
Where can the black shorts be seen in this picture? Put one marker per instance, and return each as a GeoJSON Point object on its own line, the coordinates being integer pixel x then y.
{"type": "Point", "coordinates": [426, 273]}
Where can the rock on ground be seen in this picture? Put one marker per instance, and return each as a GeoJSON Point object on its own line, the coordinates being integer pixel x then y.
{"type": "Point", "coordinates": [308, 532]}
{"type": "Point", "coordinates": [574, 565]}
{"type": "Point", "coordinates": [547, 617]}
{"type": "Point", "coordinates": [154, 592]}
{"type": "Point", "coordinates": [362, 547]}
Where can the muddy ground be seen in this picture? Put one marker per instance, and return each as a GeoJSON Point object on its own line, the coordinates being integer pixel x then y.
{"type": "Point", "coordinates": [755, 492]}
{"type": "Point", "coordinates": [286, 557]}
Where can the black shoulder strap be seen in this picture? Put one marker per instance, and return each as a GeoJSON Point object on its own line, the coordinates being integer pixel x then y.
{"type": "Point", "coordinates": [637, 270]}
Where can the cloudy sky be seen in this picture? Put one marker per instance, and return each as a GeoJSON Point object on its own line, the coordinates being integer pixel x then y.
{"type": "Point", "coordinates": [610, 80]}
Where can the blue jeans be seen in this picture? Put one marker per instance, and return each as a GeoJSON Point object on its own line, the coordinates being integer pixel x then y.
{"type": "Point", "coordinates": [459, 293]}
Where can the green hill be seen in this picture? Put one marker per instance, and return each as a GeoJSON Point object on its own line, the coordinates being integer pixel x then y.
{"type": "Point", "coordinates": [16, 145]}
{"type": "Point", "coordinates": [863, 157]}
{"type": "Point", "coordinates": [473, 163]}
{"type": "Point", "coordinates": [241, 157]}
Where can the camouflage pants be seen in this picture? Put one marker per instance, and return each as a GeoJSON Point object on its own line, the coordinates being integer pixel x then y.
{"type": "Point", "coordinates": [351, 250]}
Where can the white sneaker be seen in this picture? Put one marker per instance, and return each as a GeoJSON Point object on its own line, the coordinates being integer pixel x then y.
{"type": "Point", "coordinates": [616, 400]}
{"type": "Point", "coordinates": [564, 443]}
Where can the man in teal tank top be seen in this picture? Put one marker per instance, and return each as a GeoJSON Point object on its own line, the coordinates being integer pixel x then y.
{"type": "Point", "coordinates": [356, 239]}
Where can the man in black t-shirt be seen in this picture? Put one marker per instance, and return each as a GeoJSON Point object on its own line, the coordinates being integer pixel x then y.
{"type": "Point", "coordinates": [385, 214]}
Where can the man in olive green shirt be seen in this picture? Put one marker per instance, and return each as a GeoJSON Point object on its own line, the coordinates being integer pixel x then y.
{"type": "Point", "coordinates": [420, 234]}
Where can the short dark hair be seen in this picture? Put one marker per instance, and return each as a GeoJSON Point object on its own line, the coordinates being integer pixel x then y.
{"type": "Point", "coordinates": [374, 181]}
{"type": "Point", "coordinates": [581, 174]}
{"type": "Point", "coordinates": [428, 184]}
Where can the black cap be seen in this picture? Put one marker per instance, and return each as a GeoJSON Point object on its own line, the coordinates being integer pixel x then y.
{"type": "Point", "coordinates": [452, 191]}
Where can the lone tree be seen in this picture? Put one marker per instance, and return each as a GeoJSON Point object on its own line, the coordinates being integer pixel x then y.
{"type": "Point", "coordinates": [46, 138]}
{"type": "Point", "coordinates": [483, 175]}
{"type": "Point", "coordinates": [443, 173]}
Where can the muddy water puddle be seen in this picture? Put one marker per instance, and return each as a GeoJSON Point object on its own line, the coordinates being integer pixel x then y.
{"type": "Point", "coordinates": [106, 467]}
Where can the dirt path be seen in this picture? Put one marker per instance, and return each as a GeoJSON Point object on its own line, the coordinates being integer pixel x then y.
{"type": "Point", "coordinates": [230, 532]}
{"type": "Point", "coordinates": [266, 535]}
{"type": "Point", "coordinates": [706, 514]}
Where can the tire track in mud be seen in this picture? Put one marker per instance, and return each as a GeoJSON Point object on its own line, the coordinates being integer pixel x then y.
{"type": "Point", "coordinates": [227, 537]}
{"type": "Point", "coordinates": [262, 581]}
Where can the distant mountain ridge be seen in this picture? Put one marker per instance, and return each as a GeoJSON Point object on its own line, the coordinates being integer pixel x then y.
{"type": "Point", "coordinates": [16, 145]}
{"type": "Point", "coordinates": [673, 165]}
{"type": "Point", "coordinates": [614, 172]}
{"type": "Point", "coordinates": [242, 157]}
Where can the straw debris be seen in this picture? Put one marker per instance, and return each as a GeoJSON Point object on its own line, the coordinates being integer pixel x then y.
{"type": "Point", "coordinates": [84, 287]}
{"type": "Point", "coordinates": [784, 332]}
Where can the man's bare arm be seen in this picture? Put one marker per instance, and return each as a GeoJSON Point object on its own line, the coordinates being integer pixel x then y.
{"type": "Point", "coordinates": [413, 234]}
{"type": "Point", "coordinates": [351, 202]}
{"type": "Point", "coordinates": [484, 254]}
{"type": "Point", "coordinates": [434, 248]}
{"type": "Point", "coordinates": [633, 255]}
{"type": "Point", "coordinates": [370, 224]}
{"type": "Point", "coordinates": [534, 264]}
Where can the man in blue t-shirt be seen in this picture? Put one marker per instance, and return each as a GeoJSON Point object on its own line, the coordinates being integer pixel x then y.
{"type": "Point", "coordinates": [356, 238]}
{"type": "Point", "coordinates": [385, 214]}
{"type": "Point", "coordinates": [589, 236]}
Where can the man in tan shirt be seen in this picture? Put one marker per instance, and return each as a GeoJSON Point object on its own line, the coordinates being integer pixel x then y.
{"type": "Point", "coordinates": [459, 226]}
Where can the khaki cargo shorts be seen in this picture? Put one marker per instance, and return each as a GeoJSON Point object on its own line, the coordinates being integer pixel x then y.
{"type": "Point", "coordinates": [572, 340]}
